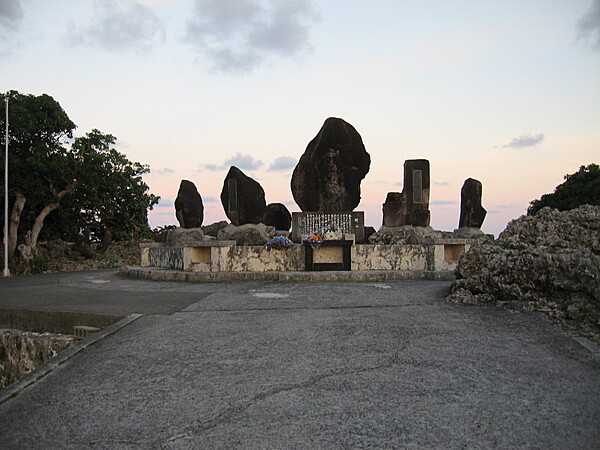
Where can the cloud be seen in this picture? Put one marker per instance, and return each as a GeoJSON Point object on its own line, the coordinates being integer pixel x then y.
{"type": "Point", "coordinates": [165, 203]}
{"type": "Point", "coordinates": [588, 26]}
{"type": "Point", "coordinates": [441, 183]}
{"type": "Point", "coordinates": [238, 35]}
{"type": "Point", "coordinates": [282, 163]}
{"type": "Point", "coordinates": [527, 140]}
{"type": "Point", "coordinates": [210, 199]}
{"type": "Point", "coordinates": [119, 25]}
{"type": "Point", "coordinates": [443, 202]}
{"type": "Point", "coordinates": [164, 171]}
{"type": "Point", "coordinates": [11, 14]}
{"type": "Point", "coordinates": [243, 162]}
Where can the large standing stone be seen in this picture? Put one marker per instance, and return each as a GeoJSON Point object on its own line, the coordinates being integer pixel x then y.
{"type": "Point", "coordinates": [189, 209]}
{"type": "Point", "coordinates": [328, 175]}
{"type": "Point", "coordinates": [243, 198]}
{"type": "Point", "coordinates": [472, 214]}
{"type": "Point", "coordinates": [277, 215]}
{"type": "Point", "coordinates": [411, 206]}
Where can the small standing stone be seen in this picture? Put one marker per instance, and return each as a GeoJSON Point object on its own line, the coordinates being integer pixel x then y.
{"type": "Point", "coordinates": [472, 214]}
{"type": "Point", "coordinates": [277, 215]}
{"type": "Point", "coordinates": [189, 209]}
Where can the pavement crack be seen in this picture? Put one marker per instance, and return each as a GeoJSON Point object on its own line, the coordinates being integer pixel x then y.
{"type": "Point", "coordinates": [228, 413]}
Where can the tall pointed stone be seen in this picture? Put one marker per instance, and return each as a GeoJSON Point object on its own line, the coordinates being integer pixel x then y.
{"type": "Point", "coordinates": [189, 209]}
{"type": "Point", "coordinates": [328, 175]}
{"type": "Point", "coordinates": [243, 198]}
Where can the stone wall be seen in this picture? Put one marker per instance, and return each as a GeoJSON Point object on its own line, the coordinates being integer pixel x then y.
{"type": "Point", "coordinates": [441, 256]}
{"type": "Point", "coordinates": [389, 257]}
{"type": "Point", "coordinates": [256, 258]}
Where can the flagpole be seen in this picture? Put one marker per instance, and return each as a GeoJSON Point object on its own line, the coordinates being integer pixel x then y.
{"type": "Point", "coordinates": [6, 271]}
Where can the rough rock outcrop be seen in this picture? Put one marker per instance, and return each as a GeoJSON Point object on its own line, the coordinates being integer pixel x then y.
{"type": "Point", "coordinates": [369, 231]}
{"type": "Point", "coordinates": [327, 178]}
{"type": "Point", "coordinates": [472, 214]}
{"type": "Point", "coordinates": [214, 228]}
{"type": "Point", "coordinates": [184, 237]}
{"type": "Point", "coordinates": [407, 234]}
{"type": "Point", "coordinates": [278, 216]}
{"type": "Point", "coordinates": [243, 199]}
{"type": "Point", "coordinates": [189, 209]}
{"type": "Point", "coordinates": [249, 234]}
{"type": "Point", "coordinates": [22, 352]}
{"type": "Point", "coordinates": [549, 262]}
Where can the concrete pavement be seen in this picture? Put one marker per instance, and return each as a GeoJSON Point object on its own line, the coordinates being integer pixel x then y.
{"type": "Point", "coordinates": [337, 365]}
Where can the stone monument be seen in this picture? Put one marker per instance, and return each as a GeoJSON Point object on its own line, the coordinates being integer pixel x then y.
{"type": "Point", "coordinates": [327, 178]}
{"type": "Point", "coordinates": [189, 209]}
{"type": "Point", "coordinates": [472, 214]}
{"type": "Point", "coordinates": [411, 206]}
{"type": "Point", "coordinates": [243, 198]}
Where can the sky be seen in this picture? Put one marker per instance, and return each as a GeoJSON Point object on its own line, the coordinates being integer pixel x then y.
{"type": "Point", "coordinates": [507, 92]}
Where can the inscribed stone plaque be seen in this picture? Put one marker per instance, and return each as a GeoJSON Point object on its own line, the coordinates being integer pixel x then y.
{"type": "Point", "coordinates": [417, 183]}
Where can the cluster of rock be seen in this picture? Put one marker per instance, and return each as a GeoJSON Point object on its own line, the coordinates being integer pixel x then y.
{"type": "Point", "coordinates": [253, 222]}
{"type": "Point", "coordinates": [326, 180]}
{"type": "Point", "coordinates": [411, 206]}
{"type": "Point", "coordinates": [548, 262]}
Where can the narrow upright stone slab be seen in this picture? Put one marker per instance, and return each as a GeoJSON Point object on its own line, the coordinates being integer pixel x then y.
{"type": "Point", "coordinates": [416, 192]}
{"type": "Point", "coordinates": [472, 214]}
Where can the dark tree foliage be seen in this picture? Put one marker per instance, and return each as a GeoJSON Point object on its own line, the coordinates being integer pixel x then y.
{"type": "Point", "coordinates": [68, 188]}
{"type": "Point", "coordinates": [579, 188]}
{"type": "Point", "coordinates": [110, 198]}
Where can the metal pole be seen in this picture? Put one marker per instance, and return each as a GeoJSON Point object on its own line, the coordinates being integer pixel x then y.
{"type": "Point", "coordinates": [6, 271]}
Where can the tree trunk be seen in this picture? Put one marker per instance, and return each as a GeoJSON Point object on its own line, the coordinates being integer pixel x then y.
{"type": "Point", "coordinates": [39, 220]}
{"type": "Point", "coordinates": [15, 219]}
{"type": "Point", "coordinates": [106, 239]}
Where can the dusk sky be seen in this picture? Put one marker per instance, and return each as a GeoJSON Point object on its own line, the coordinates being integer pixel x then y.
{"type": "Point", "coordinates": [507, 92]}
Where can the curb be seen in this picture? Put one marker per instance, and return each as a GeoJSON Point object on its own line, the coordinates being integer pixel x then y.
{"type": "Point", "coordinates": [589, 345]}
{"type": "Point", "coordinates": [153, 274]}
{"type": "Point", "coordinates": [16, 388]}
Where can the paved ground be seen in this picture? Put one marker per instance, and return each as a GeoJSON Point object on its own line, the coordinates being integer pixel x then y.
{"type": "Point", "coordinates": [259, 365]}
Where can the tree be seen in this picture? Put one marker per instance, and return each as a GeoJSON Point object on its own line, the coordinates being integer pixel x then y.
{"type": "Point", "coordinates": [96, 191]}
{"type": "Point", "coordinates": [41, 170]}
{"type": "Point", "coordinates": [110, 197]}
{"type": "Point", "coordinates": [579, 188]}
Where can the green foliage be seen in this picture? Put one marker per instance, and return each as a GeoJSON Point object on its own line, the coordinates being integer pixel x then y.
{"type": "Point", "coordinates": [159, 234]}
{"type": "Point", "coordinates": [579, 188]}
{"type": "Point", "coordinates": [108, 192]}
{"type": "Point", "coordinates": [40, 164]}
{"type": "Point", "coordinates": [39, 264]}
